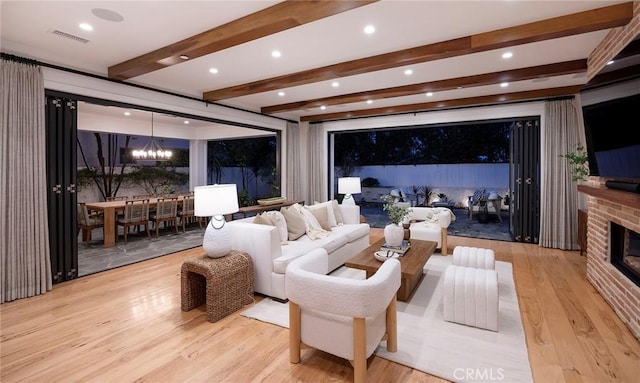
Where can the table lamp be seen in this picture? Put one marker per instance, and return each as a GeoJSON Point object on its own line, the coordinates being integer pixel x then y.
{"type": "Point", "coordinates": [215, 201]}
{"type": "Point", "coordinates": [349, 186]}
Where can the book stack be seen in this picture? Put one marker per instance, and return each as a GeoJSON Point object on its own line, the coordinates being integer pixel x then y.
{"type": "Point", "coordinates": [402, 249]}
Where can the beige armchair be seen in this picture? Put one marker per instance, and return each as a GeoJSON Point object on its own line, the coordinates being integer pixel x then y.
{"type": "Point", "coordinates": [341, 316]}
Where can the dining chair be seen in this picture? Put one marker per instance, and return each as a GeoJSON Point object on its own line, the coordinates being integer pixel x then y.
{"type": "Point", "coordinates": [166, 211]}
{"type": "Point", "coordinates": [136, 213]}
{"type": "Point", "coordinates": [87, 222]}
{"type": "Point", "coordinates": [117, 198]}
{"type": "Point", "coordinates": [187, 211]}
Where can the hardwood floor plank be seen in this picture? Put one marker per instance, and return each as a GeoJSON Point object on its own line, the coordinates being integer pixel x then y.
{"type": "Point", "coordinates": [126, 324]}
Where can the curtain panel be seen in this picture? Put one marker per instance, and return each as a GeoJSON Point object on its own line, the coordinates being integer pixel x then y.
{"type": "Point", "coordinates": [559, 194]}
{"type": "Point", "coordinates": [294, 162]}
{"type": "Point", "coordinates": [24, 236]}
{"type": "Point", "coordinates": [317, 164]}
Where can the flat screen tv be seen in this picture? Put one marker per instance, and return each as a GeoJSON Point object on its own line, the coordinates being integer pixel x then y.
{"type": "Point", "coordinates": [613, 141]}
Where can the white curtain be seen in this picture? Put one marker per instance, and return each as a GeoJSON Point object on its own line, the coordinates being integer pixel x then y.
{"type": "Point", "coordinates": [24, 239]}
{"type": "Point", "coordinates": [317, 164]}
{"type": "Point", "coordinates": [559, 196]}
{"type": "Point", "coordinates": [294, 163]}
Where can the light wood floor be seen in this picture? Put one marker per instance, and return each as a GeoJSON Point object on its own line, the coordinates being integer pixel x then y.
{"type": "Point", "coordinates": [126, 325]}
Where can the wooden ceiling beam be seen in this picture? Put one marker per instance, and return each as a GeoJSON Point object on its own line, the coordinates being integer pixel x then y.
{"type": "Point", "coordinates": [448, 104]}
{"type": "Point", "coordinates": [277, 18]}
{"type": "Point", "coordinates": [541, 71]}
{"type": "Point", "coordinates": [581, 22]}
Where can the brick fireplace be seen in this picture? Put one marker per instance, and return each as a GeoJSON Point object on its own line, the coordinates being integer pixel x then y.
{"type": "Point", "coordinates": [623, 208]}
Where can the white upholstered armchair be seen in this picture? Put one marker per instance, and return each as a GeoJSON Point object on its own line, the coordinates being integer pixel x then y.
{"type": "Point", "coordinates": [341, 316]}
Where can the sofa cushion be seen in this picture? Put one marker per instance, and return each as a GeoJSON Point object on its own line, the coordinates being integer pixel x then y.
{"type": "Point", "coordinates": [294, 250]}
{"type": "Point", "coordinates": [296, 227]}
{"type": "Point", "coordinates": [352, 232]}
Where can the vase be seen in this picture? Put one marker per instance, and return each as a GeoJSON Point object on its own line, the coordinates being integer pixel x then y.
{"type": "Point", "coordinates": [393, 234]}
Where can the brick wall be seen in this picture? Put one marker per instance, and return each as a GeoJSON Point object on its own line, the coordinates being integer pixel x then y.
{"type": "Point", "coordinates": [613, 43]}
{"type": "Point", "coordinates": [622, 294]}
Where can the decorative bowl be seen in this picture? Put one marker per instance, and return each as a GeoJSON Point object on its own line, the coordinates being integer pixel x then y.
{"type": "Point", "coordinates": [271, 201]}
{"type": "Point", "coordinates": [383, 255]}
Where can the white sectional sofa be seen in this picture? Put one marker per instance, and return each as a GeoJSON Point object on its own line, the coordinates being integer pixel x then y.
{"type": "Point", "coordinates": [271, 255]}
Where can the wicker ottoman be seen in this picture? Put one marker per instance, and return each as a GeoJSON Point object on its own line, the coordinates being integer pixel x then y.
{"type": "Point", "coordinates": [225, 284]}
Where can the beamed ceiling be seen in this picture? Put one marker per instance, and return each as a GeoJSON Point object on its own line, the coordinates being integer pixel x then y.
{"type": "Point", "coordinates": [452, 48]}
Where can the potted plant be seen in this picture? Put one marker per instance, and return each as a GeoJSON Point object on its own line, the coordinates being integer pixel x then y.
{"type": "Point", "coordinates": [394, 232]}
{"type": "Point", "coordinates": [580, 162]}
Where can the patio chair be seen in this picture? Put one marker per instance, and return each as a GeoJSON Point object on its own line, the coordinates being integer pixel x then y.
{"type": "Point", "coordinates": [87, 222]}
{"type": "Point", "coordinates": [136, 213]}
{"type": "Point", "coordinates": [166, 211]}
{"type": "Point", "coordinates": [188, 212]}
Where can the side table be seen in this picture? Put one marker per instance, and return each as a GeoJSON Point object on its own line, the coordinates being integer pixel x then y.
{"type": "Point", "coordinates": [225, 284]}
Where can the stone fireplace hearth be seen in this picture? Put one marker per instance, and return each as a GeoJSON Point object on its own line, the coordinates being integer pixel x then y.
{"type": "Point", "coordinates": [622, 208]}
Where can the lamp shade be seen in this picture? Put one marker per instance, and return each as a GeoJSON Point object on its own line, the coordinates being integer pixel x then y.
{"type": "Point", "coordinates": [216, 199]}
{"type": "Point", "coordinates": [349, 185]}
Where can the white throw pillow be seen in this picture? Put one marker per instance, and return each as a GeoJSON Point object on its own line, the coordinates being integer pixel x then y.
{"type": "Point", "coordinates": [280, 223]}
{"type": "Point", "coordinates": [310, 220]}
{"type": "Point", "coordinates": [330, 213]}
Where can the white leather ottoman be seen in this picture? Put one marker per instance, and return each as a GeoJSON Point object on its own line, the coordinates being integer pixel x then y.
{"type": "Point", "coordinates": [474, 257]}
{"type": "Point", "coordinates": [471, 297]}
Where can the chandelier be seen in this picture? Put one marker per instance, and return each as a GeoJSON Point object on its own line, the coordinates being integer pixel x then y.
{"type": "Point", "coordinates": [152, 151]}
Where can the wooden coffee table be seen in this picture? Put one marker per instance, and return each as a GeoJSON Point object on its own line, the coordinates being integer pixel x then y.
{"type": "Point", "coordinates": [411, 264]}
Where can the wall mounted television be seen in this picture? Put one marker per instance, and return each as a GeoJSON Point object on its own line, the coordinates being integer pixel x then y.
{"type": "Point", "coordinates": [611, 131]}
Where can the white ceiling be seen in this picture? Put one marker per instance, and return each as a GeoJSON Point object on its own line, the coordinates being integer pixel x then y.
{"type": "Point", "coordinates": [148, 25]}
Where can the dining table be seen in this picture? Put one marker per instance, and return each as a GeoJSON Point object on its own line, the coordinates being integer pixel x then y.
{"type": "Point", "coordinates": [110, 210]}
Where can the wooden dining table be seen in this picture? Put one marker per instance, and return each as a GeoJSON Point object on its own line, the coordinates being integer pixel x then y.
{"type": "Point", "coordinates": [110, 210]}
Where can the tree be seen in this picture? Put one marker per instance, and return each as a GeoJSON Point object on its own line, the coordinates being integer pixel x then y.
{"type": "Point", "coordinates": [106, 175]}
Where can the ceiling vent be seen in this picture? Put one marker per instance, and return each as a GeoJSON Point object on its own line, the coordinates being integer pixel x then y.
{"type": "Point", "coordinates": [70, 36]}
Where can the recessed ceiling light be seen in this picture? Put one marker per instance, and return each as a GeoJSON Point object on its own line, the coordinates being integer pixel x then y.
{"type": "Point", "coordinates": [369, 101]}
{"type": "Point", "coordinates": [335, 84]}
{"type": "Point", "coordinates": [184, 57]}
{"type": "Point", "coordinates": [276, 54]}
{"type": "Point", "coordinates": [186, 122]}
{"type": "Point", "coordinates": [213, 70]}
{"type": "Point", "coordinates": [610, 62]}
{"type": "Point", "coordinates": [86, 27]}
{"type": "Point", "coordinates": [504, 84]}
{"type": "Point", "coordinates": [127, 114]}
{"type": "Point", "coordinates": [323, 107]}
{"type": "Point", "coordinates": [280, 94]}
{"type": "Point", "coordinates": [429, 94]}
{"type": "Point", "coordinates": [369, 29]}
{"type": "Point", "coordinates": [507, 55]}
{"type": "Point", "coordinates": [408, 72]}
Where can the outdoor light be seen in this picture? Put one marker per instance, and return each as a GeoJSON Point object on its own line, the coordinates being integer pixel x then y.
{"type": "Point", "coordinates": [349, 186]}
{"type": "Point", "coordinates": [152, 151]}
{"type": "Point", "coordinates": [215, 201]}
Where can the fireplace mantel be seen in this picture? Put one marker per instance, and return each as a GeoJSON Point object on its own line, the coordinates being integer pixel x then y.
{"type": "Point", "coordinates": [624, 198]}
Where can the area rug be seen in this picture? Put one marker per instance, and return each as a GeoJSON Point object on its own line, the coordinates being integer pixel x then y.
{"type": "Point", "coordinates": [428, 343]}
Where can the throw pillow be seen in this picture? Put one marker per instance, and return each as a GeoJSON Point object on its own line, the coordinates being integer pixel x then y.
{"type": "Point", "coordinates": [310, 220]}
{"type": "Point", "coordinates": [328, 206]}
{"type": "Point", "coordinates": [277, 219]}
{"type": "Point", "coordinates": [321, 215]}
{"type": "Point", "coordinates": [296, 226]}
{"type": "Point", "coordinates": [260, 219]}
{"type": "Point", "coordinates": [337, 212]}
